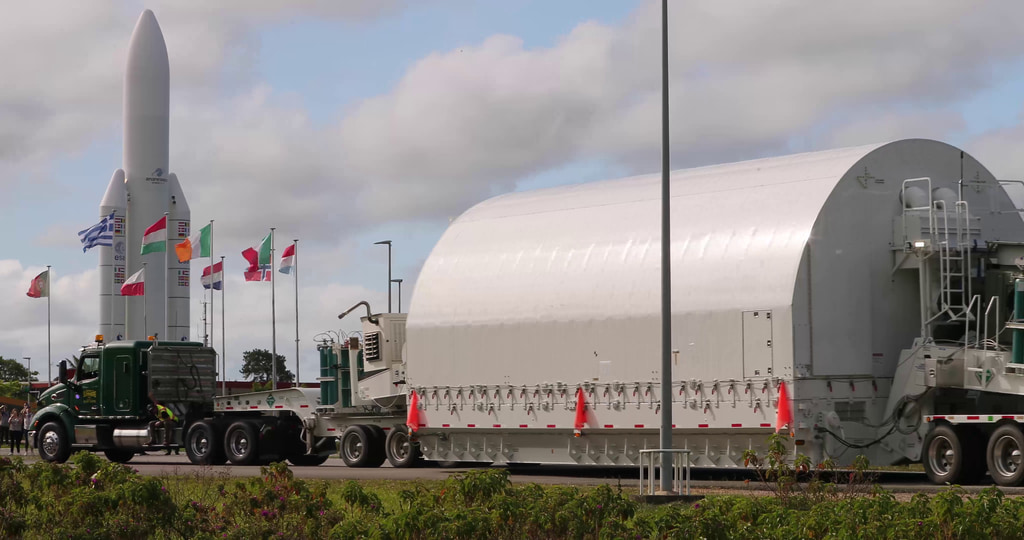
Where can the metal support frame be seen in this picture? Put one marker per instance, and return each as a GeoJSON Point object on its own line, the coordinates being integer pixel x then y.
{"type": "Point", "coordinates": [680, 461]}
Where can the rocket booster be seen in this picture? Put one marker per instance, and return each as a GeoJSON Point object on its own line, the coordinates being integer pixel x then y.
{"type": "Point", "coordinates": [112, 259]}
{"type": "Point", "coordinates": [150, 192]}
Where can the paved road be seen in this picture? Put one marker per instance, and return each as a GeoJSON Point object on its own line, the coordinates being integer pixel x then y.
{"type": "Point", "coordinates": [703, 480]}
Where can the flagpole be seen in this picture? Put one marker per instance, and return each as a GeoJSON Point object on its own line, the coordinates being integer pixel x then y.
{"type": "Point", "coordinates": [49, 292]}
{"type": "Point", "coordinates": [273, 317]}
{"type": "Point", "coordinates": [167, 272]}
{"type": "Point", "coordinates": [145, 303]}
{"type": "Point", "coordinates": [295, 267]}
{"type": "Point", "coordinates": [223, 342]}
{"type": "Point", "coordinates": [212, 303]}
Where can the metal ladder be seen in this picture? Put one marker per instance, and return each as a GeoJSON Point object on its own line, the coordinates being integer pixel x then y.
{"type": "Point", "coordinates": [955, 261]}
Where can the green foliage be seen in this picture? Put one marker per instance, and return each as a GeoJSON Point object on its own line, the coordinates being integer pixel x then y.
{"type": "Point", "coordinates": [256, 366]}
{"type": "Point", "coordinates": [92, 498]}
{"type": "Point", "coordinates": [13, 389]}
{"type": "Point", "coordinates": [13, 370]}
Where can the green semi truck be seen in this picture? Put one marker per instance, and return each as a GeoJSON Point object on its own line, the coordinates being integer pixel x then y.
{"type": "Point", "coordinates": [107, 404]}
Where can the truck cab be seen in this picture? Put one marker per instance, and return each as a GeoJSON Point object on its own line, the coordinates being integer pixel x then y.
{"type": "Point", "coordinates": [107, 403]}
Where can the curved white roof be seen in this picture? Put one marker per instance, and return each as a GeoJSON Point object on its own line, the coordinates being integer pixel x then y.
{"type": "Point", "coordinates": [577, 267]}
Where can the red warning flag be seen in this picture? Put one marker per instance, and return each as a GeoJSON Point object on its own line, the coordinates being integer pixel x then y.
{"type": "Point", "coordinates": [784, 415]}
{"type": "Point", "coordinates": [412, 419]}
{"type": "Point", "coordinates": [581, 410]}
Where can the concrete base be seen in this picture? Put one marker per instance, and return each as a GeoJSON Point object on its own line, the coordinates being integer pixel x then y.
{"type": "Point", "coordinates": [667, 498]}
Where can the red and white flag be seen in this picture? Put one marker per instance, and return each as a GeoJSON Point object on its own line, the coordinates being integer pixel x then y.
{"type": "Point", "coordinates": [135, 285]}
{"type": "Point", "coordinates": [213, 277]}
{"type": "Point", "coordinates": [287, 260]}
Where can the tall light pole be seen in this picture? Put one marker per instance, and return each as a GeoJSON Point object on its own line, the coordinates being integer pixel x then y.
{"type": "Point", "coordinates": [388, 242]}
{"type": "Point", "coordinates": [666, 271]}
{"type": "Point", "coordinates": [399, 282]}
{"type": "Point", "coordinates": [28, 360]}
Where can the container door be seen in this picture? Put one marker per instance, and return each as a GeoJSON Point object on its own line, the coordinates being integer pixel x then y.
{"type": "Point", "coordinates": [757, 343]}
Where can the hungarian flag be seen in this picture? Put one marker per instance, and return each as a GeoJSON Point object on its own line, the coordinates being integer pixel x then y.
{"type": "Point", "coordinates": [213, 277]}
{"type": "Point", "coordinates": [198, 245]}
{"type": "Point", "coordinates": [259, 260]}
{"type": "Point", "coordinates": [288, 260]}
{"type": "Point", "coordinates": [40, 286]}
{"type": "Point", "coordinates": [155, 239]}
{"type": "Point", "coordinates": [135, 285]}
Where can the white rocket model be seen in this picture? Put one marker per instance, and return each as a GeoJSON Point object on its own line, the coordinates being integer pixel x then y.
{"type": "Point", "coordinates": [149, 191]}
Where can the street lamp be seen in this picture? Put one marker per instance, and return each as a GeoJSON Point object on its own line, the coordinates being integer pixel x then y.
{"type": "Point", "coordinates": [388, 242]}
{"type": "Point", "coordinates": [399, 282]}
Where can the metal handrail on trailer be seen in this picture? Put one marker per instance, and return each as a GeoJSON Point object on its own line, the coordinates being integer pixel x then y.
{"type": "Point", "coordinates": [680, 460]}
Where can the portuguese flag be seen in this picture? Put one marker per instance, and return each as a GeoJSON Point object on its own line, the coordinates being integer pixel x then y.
{"type": "Point", "coordinates": [40, 286]}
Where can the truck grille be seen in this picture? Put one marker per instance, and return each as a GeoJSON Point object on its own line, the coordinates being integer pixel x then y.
{"type": "Point", "coordinates": [371, 347]}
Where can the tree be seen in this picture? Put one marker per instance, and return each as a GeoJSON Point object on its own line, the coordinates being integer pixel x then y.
{"type": "Point", "coordinates": [12, 370]}
{"type": "Point", "coordinates": [256, 366]}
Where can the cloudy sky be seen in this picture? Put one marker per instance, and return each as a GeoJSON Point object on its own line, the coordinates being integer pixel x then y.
{"type": "Point", "coordinates": [345, 123]}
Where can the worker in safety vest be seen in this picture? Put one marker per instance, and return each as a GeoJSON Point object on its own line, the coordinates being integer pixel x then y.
{"type": "Point", "coordinates": [166, 419]}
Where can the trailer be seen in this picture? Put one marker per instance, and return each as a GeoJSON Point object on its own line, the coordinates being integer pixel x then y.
{"type": "Point", "coordinates": [878, 284]}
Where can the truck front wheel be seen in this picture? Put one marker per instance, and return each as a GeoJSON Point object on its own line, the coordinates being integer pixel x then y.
{"type": "Point", "coordinates": [240, 443]}
{"type": "Point", "coordinates": [202, 445]}
{"type": "Point", "coordinates": [53, 442]}
{"type": "Point", "coordinates": [1004, 455]}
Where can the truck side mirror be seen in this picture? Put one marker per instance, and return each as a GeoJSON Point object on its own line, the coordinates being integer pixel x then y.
{"type": "Point", "coordinates": [62, 372]}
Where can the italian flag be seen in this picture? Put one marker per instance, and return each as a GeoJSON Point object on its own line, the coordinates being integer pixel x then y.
{"type": "Point", "coordinates": [135, 285]}
{"type": "Point", "coordinates": [258, 255]}
{"type": "Point", "coordinates": [155, 239]}
{"type": "Point", "coordinates": [40, 286]}
{"type": "Point", "coordinates": [198, 245]}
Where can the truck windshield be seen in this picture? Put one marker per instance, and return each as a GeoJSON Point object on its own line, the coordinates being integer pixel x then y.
{"type": "Point", "coordinates": [89, 368]}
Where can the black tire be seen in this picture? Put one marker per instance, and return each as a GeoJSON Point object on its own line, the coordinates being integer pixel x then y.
{"type": "Point", "coordinates": [380, 438]}
{"type": "Point", "coordinates": [943, 456]}
{"type": "Point", "coordinates": [402, 451]}
{"type": "Point", "coordinates": [307, 460]}
{"type": "Point", "coordinates": [54, 445]}
{"type": "Point", "coordinates": [358, 448]}
{"type": "Point", "coordinates": [241, 444]}
{"type": "Point", "coordinates": [1004, 453]}
{"type": "Point", "coordinates": [119, 455]}
{"type": "Point", "coordinates": [203, 446]}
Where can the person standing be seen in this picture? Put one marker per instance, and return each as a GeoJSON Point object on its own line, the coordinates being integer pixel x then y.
{"type": "Point", "coordinates": [15, 431]}
{"type": "Point", "coordinates": [5, 424]}
{"type": "Point", "coordinates": [26, 420]}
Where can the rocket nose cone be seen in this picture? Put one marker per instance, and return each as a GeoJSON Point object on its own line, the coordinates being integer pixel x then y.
{"type": "Point", "coordinates": [147, 47]}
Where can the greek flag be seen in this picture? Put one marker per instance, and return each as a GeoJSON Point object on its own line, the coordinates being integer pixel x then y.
{"type": "Point", "coordinates": [100, 234]}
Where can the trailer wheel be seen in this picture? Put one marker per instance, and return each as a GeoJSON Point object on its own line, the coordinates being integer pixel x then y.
{"type": "Point", "coordinates": [944, 458]}
{"type": "Point", "coordinates": [1004, 455]}
{"type": "Point", "coordinates": [357, 448]}
{"type": "Point", "coordinates": [402, 451]}
{"type": "Point", "coordinates": [201, 445]}
{"type": "Point", "coordinates": [240, 443]}
{"type": "Point", "coordinates": [307, 460]}
{"type": "Point", "coordinates": [53, 443]}
{"type": "Point", "coordinates": [119, 455]}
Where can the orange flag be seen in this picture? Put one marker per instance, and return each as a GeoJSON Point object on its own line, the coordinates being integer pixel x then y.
{"type": "Point", "coordinates": [581, 410]}
{"type": "Point", "coordinates": [412, 419]}
{"type": "Point", "coordinates": [784, 416]}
